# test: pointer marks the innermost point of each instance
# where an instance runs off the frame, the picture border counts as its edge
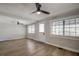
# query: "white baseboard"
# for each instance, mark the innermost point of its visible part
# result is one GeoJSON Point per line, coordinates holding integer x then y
{"type": "Point", "coordinates": [12, 38]}
{"type": "Point", "coordinates": [67, 48]}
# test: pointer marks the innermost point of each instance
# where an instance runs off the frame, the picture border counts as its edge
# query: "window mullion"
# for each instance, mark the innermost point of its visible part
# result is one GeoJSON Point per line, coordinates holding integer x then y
{"type": "Point", "coordinates": [63, 27]}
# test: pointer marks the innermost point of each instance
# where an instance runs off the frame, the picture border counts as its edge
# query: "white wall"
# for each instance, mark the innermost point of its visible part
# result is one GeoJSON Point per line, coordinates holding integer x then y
{"type": "Point", "coordinates": [59, 41]}
{"type": "Point", "coordinates": [9, 30]}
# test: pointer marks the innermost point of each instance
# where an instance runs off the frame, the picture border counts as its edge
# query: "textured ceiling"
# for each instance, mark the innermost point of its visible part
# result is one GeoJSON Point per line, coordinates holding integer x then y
{"type": "Point", "coordinates": [22, 11]}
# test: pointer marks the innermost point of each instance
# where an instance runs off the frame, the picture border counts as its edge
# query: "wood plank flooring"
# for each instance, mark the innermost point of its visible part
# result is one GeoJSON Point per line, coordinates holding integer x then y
{"type": "Point", "coordinates": [29, 47]}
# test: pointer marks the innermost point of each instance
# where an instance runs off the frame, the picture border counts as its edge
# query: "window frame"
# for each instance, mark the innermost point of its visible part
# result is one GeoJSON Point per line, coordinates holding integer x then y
{"type": "Point", "coordinates": [72, 24]}
{"type": "Point", "coordinates": [31, 28]}
{"type": "Point", "coordinates": [41, 27]}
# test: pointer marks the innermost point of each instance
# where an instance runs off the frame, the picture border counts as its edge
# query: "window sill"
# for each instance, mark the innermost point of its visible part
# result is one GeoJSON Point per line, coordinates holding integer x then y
{"type": "Point", "coordinates": [67, 37]}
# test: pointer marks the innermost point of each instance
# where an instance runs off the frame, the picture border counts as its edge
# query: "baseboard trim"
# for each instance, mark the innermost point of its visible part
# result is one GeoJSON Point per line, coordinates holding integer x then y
{"type": "Point", "coordinates": [66, 48]}
{"type": "Point", "coordinates": [13, 39]}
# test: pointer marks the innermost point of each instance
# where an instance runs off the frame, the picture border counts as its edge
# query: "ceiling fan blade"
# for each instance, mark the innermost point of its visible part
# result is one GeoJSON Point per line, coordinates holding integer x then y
{"type": "Point", "coordinates": [45, 12]}
{"type": "Point", "coordinates": [38, 6]}
{"type": "Point", "coordinates": [34, 11]}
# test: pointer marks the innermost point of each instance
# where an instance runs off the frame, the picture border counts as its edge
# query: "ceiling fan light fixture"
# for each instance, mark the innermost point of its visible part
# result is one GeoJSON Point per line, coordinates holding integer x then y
{"type": "Point", "coordinates": [38, 12]}
{"type": "Point", "coordinates": [38, 9]}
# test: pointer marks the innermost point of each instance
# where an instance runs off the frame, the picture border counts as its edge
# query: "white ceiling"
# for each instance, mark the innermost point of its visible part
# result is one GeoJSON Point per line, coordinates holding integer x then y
{"type": "Point", "coordinates": [22, 11]}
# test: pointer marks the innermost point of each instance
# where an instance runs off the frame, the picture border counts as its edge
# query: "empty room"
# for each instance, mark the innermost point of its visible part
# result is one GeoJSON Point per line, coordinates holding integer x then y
{"type": "Point", "coordinates": [39, 29]}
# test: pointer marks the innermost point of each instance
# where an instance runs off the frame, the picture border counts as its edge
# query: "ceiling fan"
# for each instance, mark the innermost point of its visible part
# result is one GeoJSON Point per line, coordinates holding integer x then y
{"type": "Point", "coordinates": [18, 23]}
{"type": "Point", "coordinates": [38, 10]}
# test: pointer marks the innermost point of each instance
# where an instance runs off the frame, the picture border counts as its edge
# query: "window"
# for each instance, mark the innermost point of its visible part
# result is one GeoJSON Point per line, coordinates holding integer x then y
{"type": "Point", "coordinates": [72, 27]}
{"type": "Point", "coordinates": [53, 27]}
{"type": "Point", "coordinates": [77, 26]}
{"type": "Point", "coordinates": [41, 27]}
{"type": "Point", "coordinates": [57, 28]}
{"type": "Point", "coordinates": [68, 27]}
{"type": "Point", "coordinates": [31, 29]}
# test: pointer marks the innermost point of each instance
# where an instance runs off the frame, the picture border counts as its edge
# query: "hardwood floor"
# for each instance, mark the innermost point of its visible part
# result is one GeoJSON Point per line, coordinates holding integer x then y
{"type": "Point", "coordinates": [29, 47]}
